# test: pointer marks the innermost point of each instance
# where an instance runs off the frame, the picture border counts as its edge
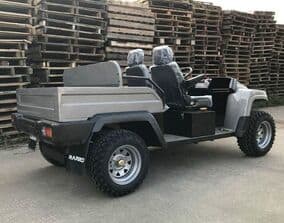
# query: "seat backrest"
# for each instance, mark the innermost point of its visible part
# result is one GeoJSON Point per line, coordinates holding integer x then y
{"type": "Point", "coordinates": [139, 71]}
{"type": "Point", "coordinates": [165, 77]}
{"type": "Point", "coordinates": [104, 74]}
{"type": "Point", "coordinates": [167, 74]}
{"type": "Point", "coordinates": [137, 68]}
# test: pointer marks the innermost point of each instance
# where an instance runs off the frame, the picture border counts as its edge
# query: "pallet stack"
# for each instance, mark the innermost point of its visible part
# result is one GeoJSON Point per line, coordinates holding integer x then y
{"type": "Point", "coordinates": [15, 35]}
{"type": "Point", "coordinates": [261, 52]}
{"type": "Point", "coordinates": [173, 27]}
{"type": "Point", "coordinates": [66, 34]}
{"type": "Point", "coordinates": [130, 26]}
{"type": "Point", "coordinates": [206, 56]}
{"type": "Point", "coordinates": [238, 29]}
{"type": "Point", "coordinates": [277, 64]}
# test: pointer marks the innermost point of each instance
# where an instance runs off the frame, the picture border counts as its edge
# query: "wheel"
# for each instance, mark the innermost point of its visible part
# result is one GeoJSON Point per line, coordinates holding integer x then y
{"type": "Point", "coordinates": [117, 161]}
{"type": "Point", "coordinates": [260, 135]}
{"type": "Point", "coordinates": [32, 144]}
{"type": "Point", "coordinates": [52, 154]}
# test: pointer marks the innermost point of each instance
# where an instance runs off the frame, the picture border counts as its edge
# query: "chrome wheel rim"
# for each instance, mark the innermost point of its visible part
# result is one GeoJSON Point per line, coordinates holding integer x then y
{"type": "Point", "coordinates": [263, 134]}
{"type": "Point", "coordinates": [124, 164]}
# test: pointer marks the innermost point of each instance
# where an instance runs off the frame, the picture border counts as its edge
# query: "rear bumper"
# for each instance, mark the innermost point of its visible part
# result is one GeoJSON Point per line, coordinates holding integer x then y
{"type": "Point", "coordinates": [64, 134]}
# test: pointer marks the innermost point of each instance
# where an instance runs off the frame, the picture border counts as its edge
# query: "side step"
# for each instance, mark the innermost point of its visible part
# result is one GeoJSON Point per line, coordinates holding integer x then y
{"type": "Point", "coordinates": [219, 134]}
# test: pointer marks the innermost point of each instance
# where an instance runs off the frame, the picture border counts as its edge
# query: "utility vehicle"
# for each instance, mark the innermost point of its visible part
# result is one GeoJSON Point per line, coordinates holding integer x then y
{"type": "Point", "coordinates": [103, 122]}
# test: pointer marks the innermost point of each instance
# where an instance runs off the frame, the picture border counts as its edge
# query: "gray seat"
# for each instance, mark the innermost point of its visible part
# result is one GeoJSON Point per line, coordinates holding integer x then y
{"type": "Point", "coordinates": [168, 75]}
{"type": "Point", "coordinates": [104, 74]}
{"type": "Point", "coordinates": [136, 67]}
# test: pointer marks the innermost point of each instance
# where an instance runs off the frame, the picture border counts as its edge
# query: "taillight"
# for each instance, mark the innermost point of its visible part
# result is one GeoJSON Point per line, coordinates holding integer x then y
{"type": "Point", "coordinates": [46, 132]}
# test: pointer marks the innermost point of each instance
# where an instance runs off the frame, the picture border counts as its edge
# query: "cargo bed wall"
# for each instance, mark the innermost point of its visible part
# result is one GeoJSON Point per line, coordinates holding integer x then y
{"type": "Point", "coordinates": [39, 102]}
{"type": "Point", "coordinates": [80, 103]}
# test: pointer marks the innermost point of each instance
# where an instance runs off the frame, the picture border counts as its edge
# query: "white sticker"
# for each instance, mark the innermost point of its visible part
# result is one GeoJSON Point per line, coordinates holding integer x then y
{"type": "Point", "coordinates": [76, 158]}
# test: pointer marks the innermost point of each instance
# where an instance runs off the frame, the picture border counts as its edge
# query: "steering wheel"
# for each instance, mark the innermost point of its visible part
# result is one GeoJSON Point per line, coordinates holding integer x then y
{"type": "Point", "coordinates": [193, 81]}
{"type": "Point", "coordinates": [188, 74]}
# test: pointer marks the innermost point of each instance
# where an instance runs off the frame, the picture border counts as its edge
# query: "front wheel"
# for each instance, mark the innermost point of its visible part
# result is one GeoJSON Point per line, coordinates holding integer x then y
{"type": "Point", "coordinates": [117, 161]}
{"type": "Point", "coordinates": [259, 137]}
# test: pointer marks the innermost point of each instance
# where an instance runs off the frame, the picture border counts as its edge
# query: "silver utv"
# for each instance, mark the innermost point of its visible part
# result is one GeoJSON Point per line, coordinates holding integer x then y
{"type": "Point", "coordinates": [103, 122]}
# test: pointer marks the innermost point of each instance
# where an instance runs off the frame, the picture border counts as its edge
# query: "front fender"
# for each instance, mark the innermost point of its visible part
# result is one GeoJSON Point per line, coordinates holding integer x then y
{"type": "Point", "coordinates": [258, 95]}
{"type": "Point", "coordinates": [240, 105]}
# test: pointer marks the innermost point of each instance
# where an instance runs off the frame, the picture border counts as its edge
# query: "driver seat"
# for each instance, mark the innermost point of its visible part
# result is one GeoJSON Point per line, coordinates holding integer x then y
{"type": "Point", "coordinates": [169, 77]}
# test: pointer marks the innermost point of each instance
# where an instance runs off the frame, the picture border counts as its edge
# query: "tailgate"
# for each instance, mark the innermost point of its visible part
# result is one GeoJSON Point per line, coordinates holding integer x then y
{"type": "Point", "coordinates": [38, 102]}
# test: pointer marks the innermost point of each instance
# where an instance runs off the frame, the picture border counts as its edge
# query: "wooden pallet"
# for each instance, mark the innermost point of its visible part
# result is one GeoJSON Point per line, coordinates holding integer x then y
{"type": "Point", "coordinates": [15, 36]}
{"type": "Point", "coordinates": [262, 51]}
{"type": "Point", "coordinates": [130, 26]}
{"type": "Point", "coordinates": [173, 27]}
{"type": "Point", "coordinates": [206, 56]}
{"type": "Point", "coordinates": [276, 87]}
{"type": "Point", "coordinates": [237, 31]}
{"type": "Point", "coordinates": [66, 34]}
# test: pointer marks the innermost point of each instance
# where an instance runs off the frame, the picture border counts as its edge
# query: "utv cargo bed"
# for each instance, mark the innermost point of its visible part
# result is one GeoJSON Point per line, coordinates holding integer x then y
{"type": "Point", "coordinates": [65, 104]}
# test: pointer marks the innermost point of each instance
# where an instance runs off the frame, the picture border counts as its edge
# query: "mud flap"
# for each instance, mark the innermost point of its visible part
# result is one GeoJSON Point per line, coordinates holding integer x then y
{"type": "Point", "coordinates": [75, 160]}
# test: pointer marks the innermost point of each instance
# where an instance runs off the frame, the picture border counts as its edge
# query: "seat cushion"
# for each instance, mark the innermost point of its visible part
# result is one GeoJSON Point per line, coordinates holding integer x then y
{"type": "Point", "coordinates": [202, 101]}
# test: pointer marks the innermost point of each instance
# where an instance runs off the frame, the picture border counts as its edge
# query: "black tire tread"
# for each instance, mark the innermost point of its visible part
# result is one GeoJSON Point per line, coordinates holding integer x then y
{"type": "Point", "coordinates": [95, 161]}
{"type": "Point", "coordinates": [247, 143]}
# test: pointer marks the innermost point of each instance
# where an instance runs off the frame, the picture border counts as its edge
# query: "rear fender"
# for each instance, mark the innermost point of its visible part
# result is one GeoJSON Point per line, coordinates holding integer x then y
{"type": "Point", "coordinates": [77, 155]}
{"type": "Point", "coordinates": [133, 121]}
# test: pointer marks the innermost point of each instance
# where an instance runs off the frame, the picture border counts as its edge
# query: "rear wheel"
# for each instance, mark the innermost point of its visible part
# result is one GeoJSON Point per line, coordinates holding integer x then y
{"type": "Point", "coordinates": [260, 135]}
{"type": "Point", "coordinates": [117, 161]}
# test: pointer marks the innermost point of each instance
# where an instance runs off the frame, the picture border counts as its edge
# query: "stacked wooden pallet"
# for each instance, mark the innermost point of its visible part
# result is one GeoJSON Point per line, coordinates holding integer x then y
{"type": "Point", "coordinates": [206, 56]}
{"type": "Point", "coordinates": [15, 35]}
{"type": "Point", "coordinates": [173, 26]}
{"type": "Point", "coordinates": [130, 26]}
{"type": "Point", "coordinates": [261, 52]}
{"type": "Point", "coordinates": [66, 34]}
{"type": "Point", "coordinates": [277, 64]}
{"type": "Point", "coordinates": [238, 29]}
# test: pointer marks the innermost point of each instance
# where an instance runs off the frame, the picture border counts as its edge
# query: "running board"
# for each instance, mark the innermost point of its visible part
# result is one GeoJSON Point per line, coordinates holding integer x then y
{"type": "Point", "coordinates": [219, 134]}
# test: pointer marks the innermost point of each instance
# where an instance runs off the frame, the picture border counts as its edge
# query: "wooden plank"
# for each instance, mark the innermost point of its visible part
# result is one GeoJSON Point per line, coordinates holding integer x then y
{"type": "Point", "coordinates": [131, 31]}
{"type": "Point", "coordinates": [127, 37]}
{"type": "Point", "coordinates": [134, 25]}
{"type": "Point", "coordinates": [131, 45]}
{"type": "Point", "coordinates": [131, 18]}
{"type": "Point", "coordinates": [123, 9]}
{"type": "Point", "coordinates": [5, 14]}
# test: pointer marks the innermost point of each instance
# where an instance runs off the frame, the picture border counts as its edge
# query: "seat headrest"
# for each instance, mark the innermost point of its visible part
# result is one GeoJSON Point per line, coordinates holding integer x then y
{"type": "Point", "coordinates": [162, 55]}
{"type": "Point", "coordinates": [135, 57]}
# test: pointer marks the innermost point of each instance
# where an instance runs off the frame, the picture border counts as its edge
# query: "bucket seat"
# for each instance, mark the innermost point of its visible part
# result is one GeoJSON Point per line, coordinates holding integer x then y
{"type": "Point", "coordinates": [136, 67]}
{"type": "Point", "coordinates": [169, 77]}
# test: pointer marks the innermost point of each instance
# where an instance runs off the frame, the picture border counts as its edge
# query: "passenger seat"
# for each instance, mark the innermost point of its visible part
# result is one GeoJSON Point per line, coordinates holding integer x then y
{"type": "Point", "coordinates": [136, 67]}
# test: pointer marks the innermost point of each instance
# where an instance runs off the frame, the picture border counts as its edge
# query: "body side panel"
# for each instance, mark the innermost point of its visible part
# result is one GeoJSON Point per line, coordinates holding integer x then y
{"type": "Point", "coordinates": [240, 105]}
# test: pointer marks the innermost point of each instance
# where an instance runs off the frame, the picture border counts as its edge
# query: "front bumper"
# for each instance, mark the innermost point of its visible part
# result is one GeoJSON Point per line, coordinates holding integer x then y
{"type": "Point", "coordinates": [64, 134]}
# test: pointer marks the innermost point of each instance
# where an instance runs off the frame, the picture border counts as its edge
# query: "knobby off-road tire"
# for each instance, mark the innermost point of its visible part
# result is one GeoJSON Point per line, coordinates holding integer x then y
{"type": "Point", "coordinates": [259, 137]}
{"type": "Point", "coordinates": [117, 161]}
{"type": "Point", "coordinates": [43, 149]}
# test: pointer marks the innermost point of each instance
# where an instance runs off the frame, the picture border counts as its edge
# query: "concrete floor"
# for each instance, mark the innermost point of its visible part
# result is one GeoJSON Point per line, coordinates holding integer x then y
{"type": "Point", "coordinates": [209, 182]}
